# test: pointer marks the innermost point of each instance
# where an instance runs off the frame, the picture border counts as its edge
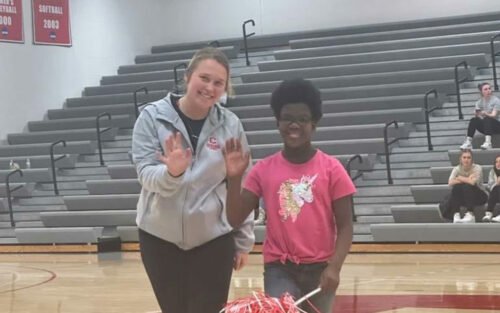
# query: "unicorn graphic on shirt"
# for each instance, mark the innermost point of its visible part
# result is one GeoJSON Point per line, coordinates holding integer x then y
{"type": "Point", "coordinates": [293, 194]}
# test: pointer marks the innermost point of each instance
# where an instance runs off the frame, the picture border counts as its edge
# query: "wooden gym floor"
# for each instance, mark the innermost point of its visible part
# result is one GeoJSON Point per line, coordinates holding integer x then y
{"type": "Point", "coordinates": [370, 282]}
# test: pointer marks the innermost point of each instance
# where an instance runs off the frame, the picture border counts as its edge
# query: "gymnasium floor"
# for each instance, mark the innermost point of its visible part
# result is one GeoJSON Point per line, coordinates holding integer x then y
{"type": "Point", "coordinates": [116, 282]}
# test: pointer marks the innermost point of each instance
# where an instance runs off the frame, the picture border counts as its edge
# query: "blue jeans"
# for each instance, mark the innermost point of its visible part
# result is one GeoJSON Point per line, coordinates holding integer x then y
{"type": "Point", "coordinates": [298, 280]}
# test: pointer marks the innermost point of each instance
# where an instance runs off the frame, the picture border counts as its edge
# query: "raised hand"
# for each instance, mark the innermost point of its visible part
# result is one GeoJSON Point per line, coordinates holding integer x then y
{"type": "Point", "coordinates": [176, 158]}
{"type": "Point", "coordinates": [236, 160]}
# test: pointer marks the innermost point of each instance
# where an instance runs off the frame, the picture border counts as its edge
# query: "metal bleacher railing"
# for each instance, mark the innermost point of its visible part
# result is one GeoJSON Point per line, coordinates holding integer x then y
{"type": "Point", "coordinates": [386, 147]}
{"type": "Point", "coordinates": [457, 87]}
{"type": "Point", "coordinates": [9, 191]}
{"type": "Point", "coordinates": [427, 112]}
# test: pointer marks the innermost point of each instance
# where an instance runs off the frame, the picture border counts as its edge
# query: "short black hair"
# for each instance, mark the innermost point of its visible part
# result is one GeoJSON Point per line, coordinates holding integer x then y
{"type": "Point", "coordinates": [297, 90]}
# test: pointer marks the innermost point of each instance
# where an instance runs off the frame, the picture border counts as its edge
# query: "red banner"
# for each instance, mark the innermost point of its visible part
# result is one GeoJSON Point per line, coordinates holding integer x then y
{"type": "Point", "coordinates": [11, 21]}
{"type": "Point", "coordinates": [51, 22]}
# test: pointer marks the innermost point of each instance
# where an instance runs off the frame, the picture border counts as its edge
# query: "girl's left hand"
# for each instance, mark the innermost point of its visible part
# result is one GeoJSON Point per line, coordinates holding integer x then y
{"type": "Point", "coordinates": [330, 278]}
{"type": "Point", "coordinates": [235, 159]}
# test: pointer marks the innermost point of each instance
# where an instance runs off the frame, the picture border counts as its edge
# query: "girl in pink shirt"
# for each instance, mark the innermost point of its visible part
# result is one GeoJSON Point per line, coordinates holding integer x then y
{"type": "Point", "coordinates": [307, 196]}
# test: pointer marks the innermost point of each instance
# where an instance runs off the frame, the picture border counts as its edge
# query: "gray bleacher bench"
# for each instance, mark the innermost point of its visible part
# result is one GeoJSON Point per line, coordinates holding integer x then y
{"type": "Point", "coordinates": [379, 56]}
{"type": "Point", "coordinates": [162, 84]}
{"type": "Point", "coordinates": [387, 45]}
{"type": "Point", "coordinates": [58, 235]}
{"type": "Point", "coordinates": [327, 133]}
{"type": "Point", "coordinates": [55, 135]}
{"type": "Point", "coordinates": [230, 51]}
{"type": "Point", "coordinates": [348, 105]}
{"type": "Point", "coordinates": [20, 189]}
{"type": "Point", "coordinates": [122, 171]}
{"type": "Point", "coordinates": [89, 218]}
{"type": "Point", "coordinates": [68, 124]}
{"type": "Point", "coordinates": [346, 118]}
{"type": "Point", "coordinates": [417, 214]}
{"type": "Point", "coordinates": [476, 60]}
{"type": "Point", "coordinates": [39, 161]}
{"type": "Point", "coordinates": [429, 193]}
{"type": "Point", "coordinates": [29, 175]}
{"type": "Point", "coordinates": [134, 70]}
{"type": "Point", "coordinates": [3, 205]}
{"type": "Point", "coordinates": [371, 91]}
{"type": "Point", "coordinates": [436, 232]}
{"type": "Point", "coordinates": [332, 147]}
{"type": "Point", "coordinates": [101, 202]}
{"type": "Point", "coordinates": [91, 111]}
{"type": "Point", "coordinates": [114, 99]}
{"type": "Point", "coordinates": [76, 147]}
{"type": "Point", "coordinates": [128, 233]}
{"type": "Point", "coordinates": [357, 80]}
{"type": "Point", "coordinates": [113, 186]}
{"type": "Point", "coordinates": [461, 28]}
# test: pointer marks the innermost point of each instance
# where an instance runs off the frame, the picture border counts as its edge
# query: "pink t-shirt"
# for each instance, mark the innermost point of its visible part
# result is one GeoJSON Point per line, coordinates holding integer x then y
{"type": "Point", "coordinates": [298, 201]}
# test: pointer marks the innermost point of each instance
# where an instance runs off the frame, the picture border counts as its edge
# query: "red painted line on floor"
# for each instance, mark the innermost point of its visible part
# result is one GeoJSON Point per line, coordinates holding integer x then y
{"type": "Point", "coordinates": [52, 276]}
{"type": "Point", "coordinates": [378, 303]}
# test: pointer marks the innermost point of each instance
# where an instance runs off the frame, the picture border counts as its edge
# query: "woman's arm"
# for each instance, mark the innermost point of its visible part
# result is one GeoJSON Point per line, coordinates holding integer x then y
{"type": "Point", "coordinates": [240, 203]}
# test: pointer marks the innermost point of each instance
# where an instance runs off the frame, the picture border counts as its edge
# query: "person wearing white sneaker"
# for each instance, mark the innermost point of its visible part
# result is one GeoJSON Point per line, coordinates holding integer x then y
{"type": "Point", "coordinates": [467, 190]}
{"type": "Point", "coordinates": [485, 118]}
{"type": "Point", "coordinates": [494, 187]}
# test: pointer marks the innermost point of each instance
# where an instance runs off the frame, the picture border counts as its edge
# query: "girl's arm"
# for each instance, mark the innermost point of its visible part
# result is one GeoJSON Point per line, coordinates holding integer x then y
{"type": "Point", "coordinates": [330, 277]}
{"type": "Point", "coordinates": [239, 203]}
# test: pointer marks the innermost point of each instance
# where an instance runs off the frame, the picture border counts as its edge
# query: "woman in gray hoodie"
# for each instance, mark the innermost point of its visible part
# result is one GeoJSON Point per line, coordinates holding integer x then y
{"type": "Point", "coordinates": [187, 246]}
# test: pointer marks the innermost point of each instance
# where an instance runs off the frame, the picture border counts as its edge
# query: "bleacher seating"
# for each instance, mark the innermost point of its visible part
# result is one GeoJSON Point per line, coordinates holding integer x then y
{"type": "Point", "coordinates": [368, 75]}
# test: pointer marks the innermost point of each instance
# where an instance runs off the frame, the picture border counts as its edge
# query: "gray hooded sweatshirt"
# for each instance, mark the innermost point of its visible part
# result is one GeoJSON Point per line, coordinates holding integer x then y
{"type": "Point", "coordinates": [188, 210]}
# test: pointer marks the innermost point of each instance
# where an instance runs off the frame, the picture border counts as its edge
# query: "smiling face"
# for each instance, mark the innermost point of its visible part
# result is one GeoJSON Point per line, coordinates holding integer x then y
{"type": "Point", "coordinates": [206, 84]}
{"type": "Point", "coordinates": [295, 125]}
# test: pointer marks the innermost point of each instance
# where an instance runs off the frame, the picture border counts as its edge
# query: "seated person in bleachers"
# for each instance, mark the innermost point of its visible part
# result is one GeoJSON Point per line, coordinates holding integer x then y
{"type": "Point", "coordinates": [466, 181]}
{"type": "Point", "coordinates": [485, 118]}
{"type": "Point", "coordinates": [494, 187]}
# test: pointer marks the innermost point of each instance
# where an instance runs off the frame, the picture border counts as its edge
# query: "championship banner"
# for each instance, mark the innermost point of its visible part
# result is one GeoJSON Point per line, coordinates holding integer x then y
{"type": "Point", "coordinates": [11, 21]}
{"type": "Point", "coordinates": [51, 22]}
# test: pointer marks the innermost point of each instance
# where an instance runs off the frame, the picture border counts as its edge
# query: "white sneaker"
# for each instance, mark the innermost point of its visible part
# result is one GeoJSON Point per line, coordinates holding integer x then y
{"type": "Point", "coordinates": [457, 218]}
{"type": "Point", "coordinates": [496, 219]}
{"type": "Point", "coordinates": [468, 218]}
{"type": "Point", "coordinates": [467, 145]}
{"type": "Point", "coordinates": [487, 216]}
{"type": "Point", "coordinates": [486, 145]}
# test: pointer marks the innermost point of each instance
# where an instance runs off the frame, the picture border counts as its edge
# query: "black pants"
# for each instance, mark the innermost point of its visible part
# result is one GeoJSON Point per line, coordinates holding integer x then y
{"type": "Point", "coordinates": [494, 198]}
{"type": "Point", "coordinates": [486, 125]}
{"type": "Point", "coordinates": [192, 281]}
{"type": "Point", "coordinates": [466, 195]}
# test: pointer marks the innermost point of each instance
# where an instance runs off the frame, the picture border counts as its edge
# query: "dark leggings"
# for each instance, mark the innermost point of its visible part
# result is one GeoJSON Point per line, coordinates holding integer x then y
{"type": "Point", "coordinates": [486, 125]}
{"type": "Point", "coordinates": [466, 195]}
{"type": "Point", "coordinates": [189, 281]}
{"type": "Point", "coordinates": [494, 198]}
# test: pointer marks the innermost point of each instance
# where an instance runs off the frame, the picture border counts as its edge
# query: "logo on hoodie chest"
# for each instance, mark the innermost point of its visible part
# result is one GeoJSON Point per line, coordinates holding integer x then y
{"type": "Point", "coordinates": [212, 143]}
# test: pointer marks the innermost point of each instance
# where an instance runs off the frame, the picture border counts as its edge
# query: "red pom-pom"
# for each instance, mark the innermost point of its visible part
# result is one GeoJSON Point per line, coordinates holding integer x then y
{"type": "Point", "coordinates": [261, 303]}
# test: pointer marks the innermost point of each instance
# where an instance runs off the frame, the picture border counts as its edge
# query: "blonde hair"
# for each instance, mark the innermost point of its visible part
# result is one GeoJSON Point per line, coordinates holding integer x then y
{"type": "Point", "coordinates": [210, 53]}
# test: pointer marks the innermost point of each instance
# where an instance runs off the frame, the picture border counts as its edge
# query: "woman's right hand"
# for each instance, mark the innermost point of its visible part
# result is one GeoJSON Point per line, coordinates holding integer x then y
{"type": "Point", "coordinates": [235, 159]}
{"type": "Point", "coordinates": [176, 158]}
